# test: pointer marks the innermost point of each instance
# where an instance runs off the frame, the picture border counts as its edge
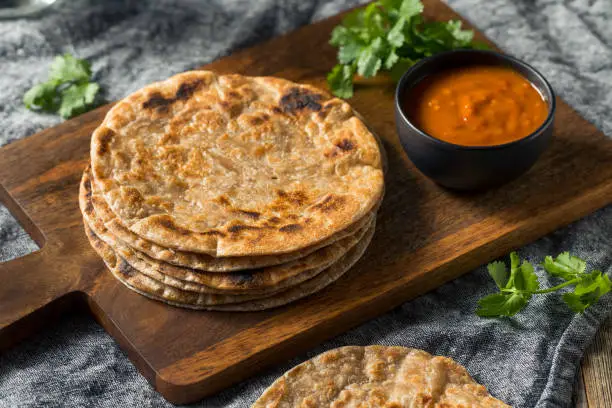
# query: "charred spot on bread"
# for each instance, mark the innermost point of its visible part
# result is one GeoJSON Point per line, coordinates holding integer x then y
{"type": "Point", "coordinates": [125, 268]}
{"type": "Point", "coordinates": [345, 145]}
{"type": "Point", "coordinates": [213, 232]}
{"type": "Point", "coordinates": [234, 229]}
{"type": "Point", "coordinates": [329, 204]}
{"type": "Point", "coordinates": [342, 146]}
{"type": "Point", "coordinates": [187, 89]}
{"type": "Point", "coordinates": [251, 214]}
{"type": "Point", "coordinates": [89, 207]}
{"type": "Point", "coordinates": [169, 224]}
{"type": "Point", "coordinates": [157, 101]}
{"type": "Point", "coordinates": [224, 200]}
{"type": "Point", "coordinates": [242, 278]}
{"type": "Point", "coordinates": [87, 187]}
{"type": "Point", "coordinates": [296, 197]}
{"type": "Point", "coordinates": [290, 228]}
{"type": "Point", "coordinates": [258, 120]}
{"type": "Point", "coordinates": [298, 99]}
{"type": "Point", "coordinates": [184, 92]}
{"type": "Point", "coordinates": [105, 139]}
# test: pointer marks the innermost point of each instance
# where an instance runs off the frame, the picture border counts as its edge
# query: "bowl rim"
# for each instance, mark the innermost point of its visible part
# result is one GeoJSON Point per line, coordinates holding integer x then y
{"type": "Point", "coordinates": [402, 84]}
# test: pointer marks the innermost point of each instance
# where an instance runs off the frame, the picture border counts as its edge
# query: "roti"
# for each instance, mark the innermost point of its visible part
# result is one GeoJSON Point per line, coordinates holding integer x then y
{"type": "Point", "coordinates": [377, 376]}
{"type": "Point", "coordinates": [144, 284]}
{"type": "Point", "coordinates": [195, 260]}
{"type": "Point", "coordinates": [235, 166]}
{"type": "Point", "coordinates": [263, 280]}
{"type": "Point", "coordinates": [156, 290]}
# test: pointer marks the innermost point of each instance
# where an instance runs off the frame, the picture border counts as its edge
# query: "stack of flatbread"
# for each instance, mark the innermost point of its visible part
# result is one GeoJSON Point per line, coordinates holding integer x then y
{"type": "Point", "coordinates": [230, 192]}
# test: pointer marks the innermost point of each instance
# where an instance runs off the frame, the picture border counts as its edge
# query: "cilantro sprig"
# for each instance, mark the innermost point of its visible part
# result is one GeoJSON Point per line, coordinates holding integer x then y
{"type": "Point", "coordinates": [519, 284]}
{"type": "Point", "coordinates": [68, 91]}
{"type": "Point", "coordinates": [389, 36]}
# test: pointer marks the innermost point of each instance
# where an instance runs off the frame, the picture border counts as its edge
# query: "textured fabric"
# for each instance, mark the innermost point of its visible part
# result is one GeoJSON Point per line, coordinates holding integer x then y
{"type": "Point", "coordinates": [527, 361]}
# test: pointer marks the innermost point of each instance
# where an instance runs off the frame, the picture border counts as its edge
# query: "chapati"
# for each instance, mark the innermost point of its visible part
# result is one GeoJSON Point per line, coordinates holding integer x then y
{"type": "Point", "coordinates": [156, 290]}
{"type": "Point", "coordinates": [377, 376]}
{"type": "Point", "coordinates": [235, 166]}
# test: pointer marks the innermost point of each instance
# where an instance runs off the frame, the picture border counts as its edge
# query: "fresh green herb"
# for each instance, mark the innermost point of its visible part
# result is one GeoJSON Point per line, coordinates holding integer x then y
{"type": "Point", "coordinates": [520, 283]}
{"type": "Point", "coordinates": [390, 36]}
{"type": "Point", "coordinates": [68, 91]}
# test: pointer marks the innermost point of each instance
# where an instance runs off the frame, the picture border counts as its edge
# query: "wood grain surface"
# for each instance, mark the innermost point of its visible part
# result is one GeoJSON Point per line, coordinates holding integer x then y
{"type": "Point", "coordinates": [579, 399]}
{"type": "Point", "coordinates": [425, 236]}
{"type": "Point", "coordinates": [596, 373]}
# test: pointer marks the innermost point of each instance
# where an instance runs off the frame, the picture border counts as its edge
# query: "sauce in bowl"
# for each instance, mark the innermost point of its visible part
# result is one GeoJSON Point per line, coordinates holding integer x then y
{"type": "Point", "coordinates": [476, 106]}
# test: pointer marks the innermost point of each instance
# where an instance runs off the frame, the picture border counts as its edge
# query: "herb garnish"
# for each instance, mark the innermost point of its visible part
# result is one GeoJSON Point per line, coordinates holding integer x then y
{"type": "Point", "coordinates": [390, 36]}
{"type": "Point", "coordinates": [68, 91]}
{"type": "Point", "coordinates": [517, 286]}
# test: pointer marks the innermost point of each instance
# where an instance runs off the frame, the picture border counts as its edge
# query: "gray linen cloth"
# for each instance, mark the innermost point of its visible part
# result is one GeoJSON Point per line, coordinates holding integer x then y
{"type": "Point", "coordinates": [528, 361]}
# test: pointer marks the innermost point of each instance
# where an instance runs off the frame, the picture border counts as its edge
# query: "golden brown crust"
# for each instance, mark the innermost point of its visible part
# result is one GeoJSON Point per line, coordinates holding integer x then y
{"type": "Point", "coordinates": [194, 260]}
{"type": "Point", "coordinates": [153, 289]}
{"type": "Point", "coordinates": [235, 166]}
{"type": "Point", "coordinates": [377, 376]}
{"type": "Point", "coordinates": [265, 280]}
{"type": "Point", "coordinates": [145, 285]}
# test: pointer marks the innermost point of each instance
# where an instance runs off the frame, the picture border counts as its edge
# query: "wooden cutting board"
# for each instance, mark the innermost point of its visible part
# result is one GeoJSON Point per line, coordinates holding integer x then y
{"type": "Point", "coordinates": [425, 236]}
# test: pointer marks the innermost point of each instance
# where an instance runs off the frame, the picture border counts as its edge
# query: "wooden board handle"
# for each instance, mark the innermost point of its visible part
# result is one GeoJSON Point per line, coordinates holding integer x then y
{"type": "Point", "coordinates": [31, 287]}
{"type": "Point", "coordinates": [30, 294]}
{"type": "Point", "coordinates": [22, 217]}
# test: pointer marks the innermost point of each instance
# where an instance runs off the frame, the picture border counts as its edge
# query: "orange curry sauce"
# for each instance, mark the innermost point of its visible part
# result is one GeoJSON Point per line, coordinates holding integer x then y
{"type": "Point", "coordinates": [476, 106]}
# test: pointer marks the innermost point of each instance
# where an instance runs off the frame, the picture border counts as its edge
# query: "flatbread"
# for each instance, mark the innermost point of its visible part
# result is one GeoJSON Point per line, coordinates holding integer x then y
{"type": "Point", "coordinates": [377, 376]}
{"type": "Point", "coordinates": [138, 281]}
{"type": "Point", "coordinates": [259, 281]}
{"type": "Point", "coordinates": [235, 166]}
{"type": "Point", "coordinates": [155, 290]}
{"type": "Point", "coordinates": [200, 261]}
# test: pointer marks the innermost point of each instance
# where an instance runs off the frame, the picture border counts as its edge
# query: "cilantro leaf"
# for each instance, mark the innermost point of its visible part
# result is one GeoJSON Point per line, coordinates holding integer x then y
{"type": "Point", "coordinates": [68, 91]}
{"type": "Point", "coordinates": [564, 266]}
{"type": "Point", "coordinates": [368, 64]}
{"type": "Point", "coordinates": [575, 302]}
{"type": "Point", "coordinates": [588, 291]}
{"type": "Point", "coordinates": [499, 273]}
{"type": "Point", "coordinates": [591, 281]}
{"type": "Point", "coordinates": [374, 21]}
{"type": "Point", "coordinates": [391, 60]}
{"type": "Point", "coordinates": [526, 279]}
{"type": "Point", "coordinates": [341, 36]}
{"type": "Point", "coordinates": [396, 35]}
{"type": "Point", "coordinates": [43, 97]}
{"type": "Point", "coordinates": [340, 80]}
{"type": "Point", "coordinates": [348, 52]}
{"type": "Point", "coordinates": [76, 98]}
{"type": "Point", "coordinates": [354, 19]}
{"type": "Point", "coordinates": [66, 68]}
{"type": "Point", "coordinates": [463, 37]}
{"type": "Point", "coordinates": [518, 286]}
{"type": "Point", "coordinates": [410, 8]}
{"type": "Point", "coordinates": [391, 6]}
{"type": "Point", "coordinates": [516, 277]}
{"type": "Point", "coordinates": [389, 35]}
{"type": "Point", "coordinates": [502, 304]}
{"type": "Point", "coordinates": [369, 61]}
{"type": "Point", "coordinates": [514, 261]}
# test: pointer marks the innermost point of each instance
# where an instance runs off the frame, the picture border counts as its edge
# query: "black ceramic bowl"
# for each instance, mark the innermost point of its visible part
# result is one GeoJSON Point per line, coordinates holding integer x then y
{"type": "Point", "coordinates": [471, 167]}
